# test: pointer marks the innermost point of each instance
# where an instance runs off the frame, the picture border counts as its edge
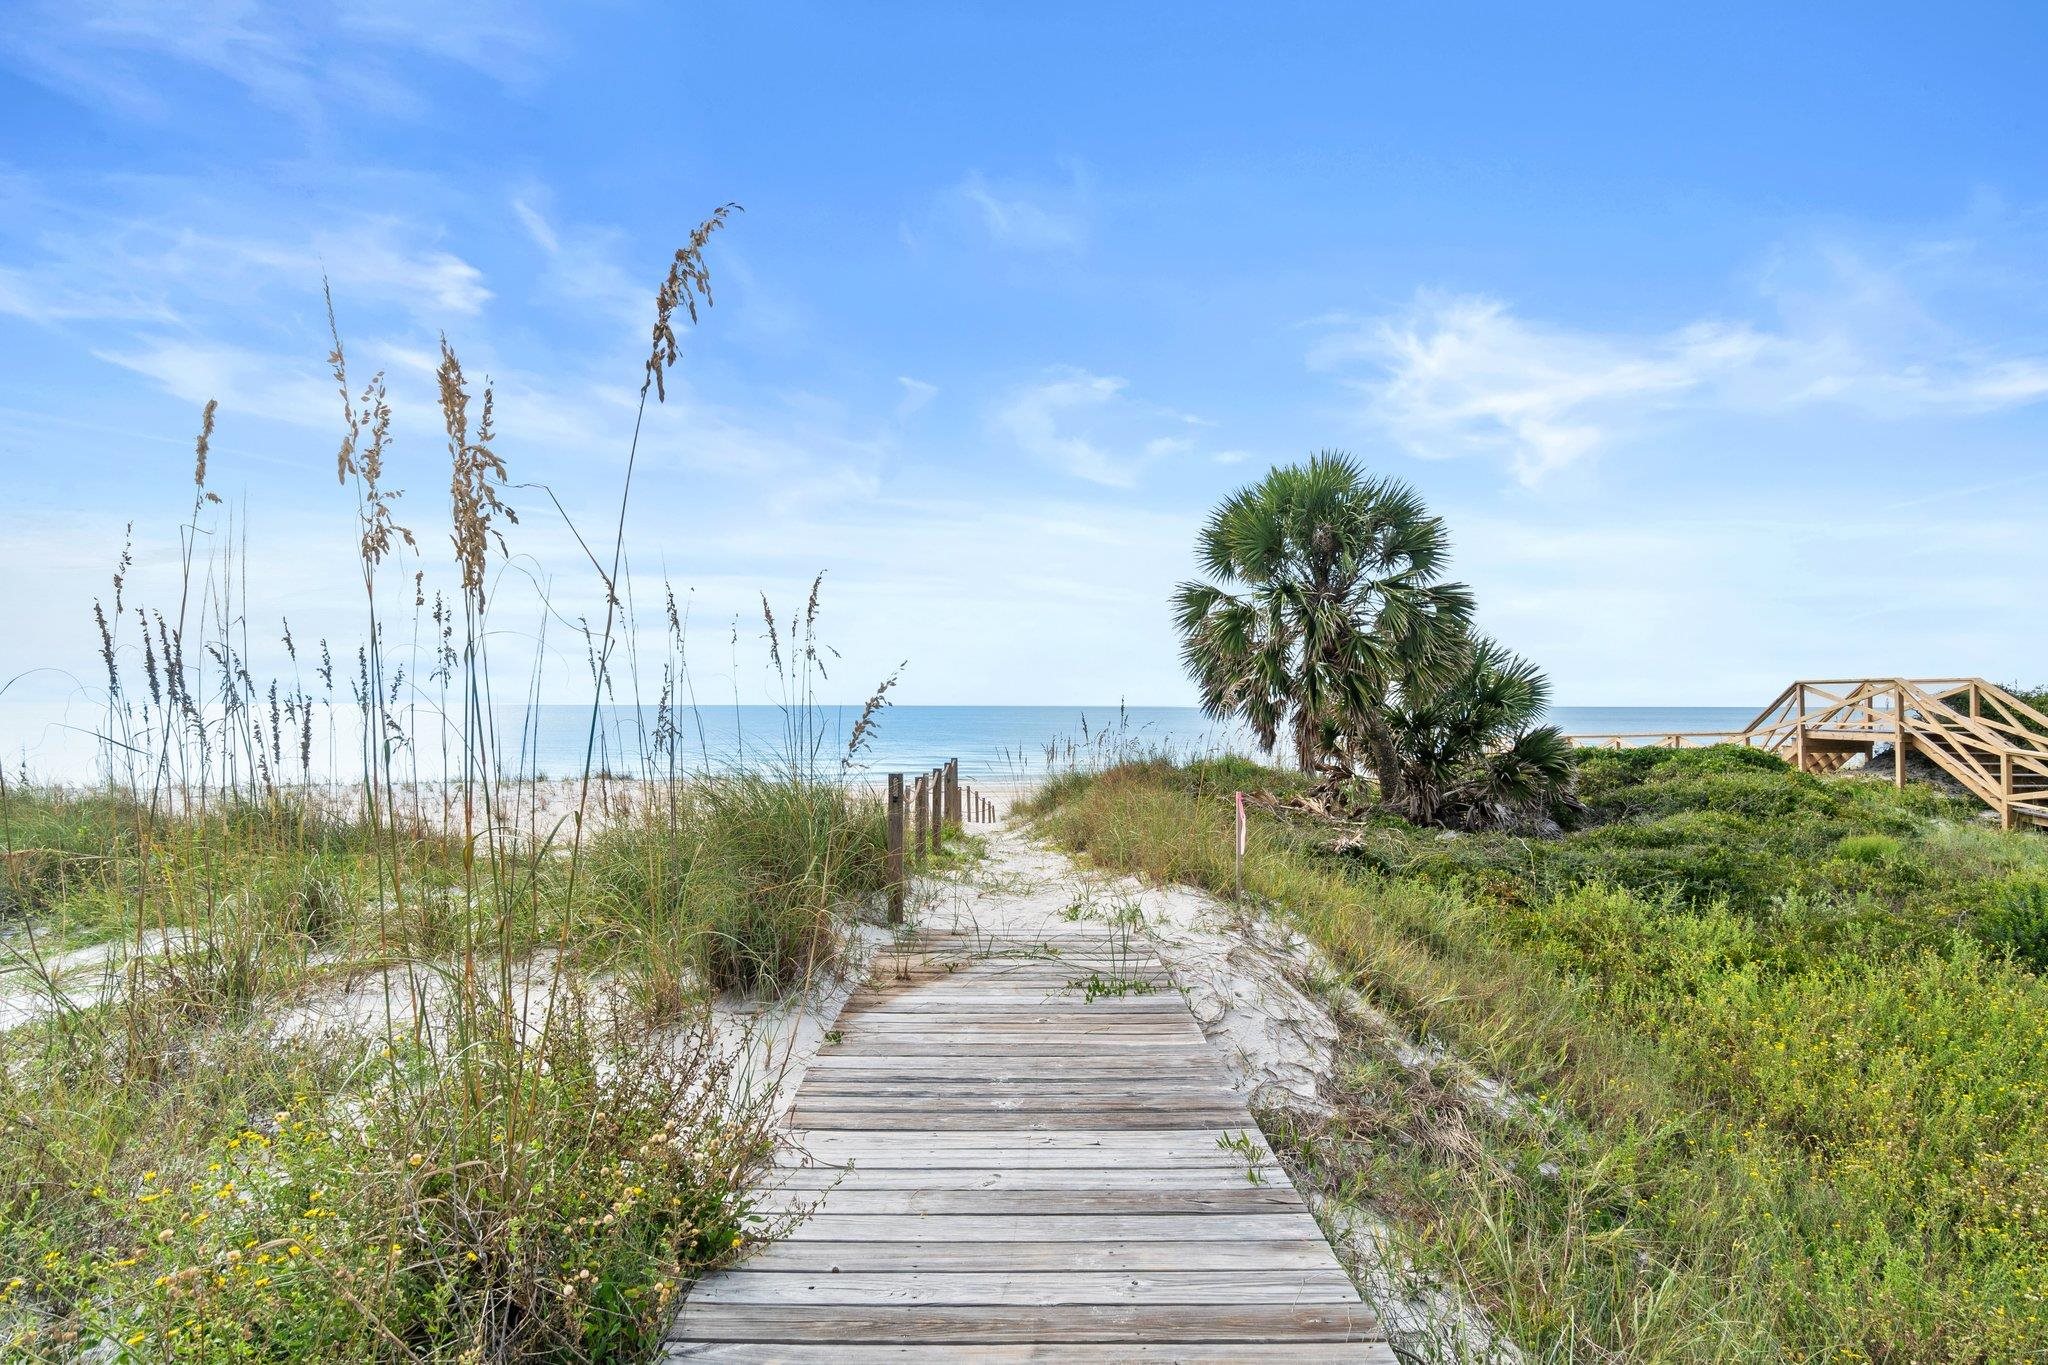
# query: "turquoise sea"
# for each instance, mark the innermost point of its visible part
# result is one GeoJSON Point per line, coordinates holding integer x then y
{"type": "Point", "coordinates": [55, 742]}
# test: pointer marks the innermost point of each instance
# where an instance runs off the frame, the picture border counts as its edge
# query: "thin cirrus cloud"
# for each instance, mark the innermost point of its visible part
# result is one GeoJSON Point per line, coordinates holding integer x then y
{"type": "Point", "coordinates": [122, 266]}
{"type": "Point", "coordinates": [1086, 425]}
{"type": "Point", "coordinates": [1465, 375]}
{"type": "Point", "coordinates": [296, 59]}
{"type": "Point", "coordinates": [1028, 217]}
{"type": "Point", "coordinates": [917, 394]}
{"type": "Point", "coordinates": [1462, 375]}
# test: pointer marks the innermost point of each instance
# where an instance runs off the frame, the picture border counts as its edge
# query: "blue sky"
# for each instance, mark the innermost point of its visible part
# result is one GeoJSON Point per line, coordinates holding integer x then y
{"type": "Point", "coordinates": [1719, 333]}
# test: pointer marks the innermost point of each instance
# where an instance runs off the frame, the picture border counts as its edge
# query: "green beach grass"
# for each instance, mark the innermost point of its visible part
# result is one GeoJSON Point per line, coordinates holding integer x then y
{"type": "Point", "coordinates": [1777, 1045]}
{"type": "Point", "coordinates": [391, 1070]}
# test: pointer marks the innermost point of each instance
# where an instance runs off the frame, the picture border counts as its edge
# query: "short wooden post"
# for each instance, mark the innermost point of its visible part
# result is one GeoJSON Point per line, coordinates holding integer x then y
{"type": "Point", "coordinates": [2005, 790]}
{"type": "Point", "coordinates": [1799, 735]}
{"type": "Point", "coordinates": [938, 825]}
{"type": "Point", "coordinates": [895, 859]}
{"type": "Point", "coordinates": [953, 793]}
{"type": "Point", "coordinates": [1899, 738]}
{"type": "Point", "coordinates": [922, 801]}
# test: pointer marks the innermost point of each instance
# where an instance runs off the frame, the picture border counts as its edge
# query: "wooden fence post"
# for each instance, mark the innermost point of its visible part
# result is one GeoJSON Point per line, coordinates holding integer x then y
{"type": "Point", "coordinates": [923, 803]}
{"type": "Point", "coordinates": [1899, 738]}
{"type": "Point", "coordinates": [2005, 820]}
{"type": "Point", "coordinates": [953, 793]}
{"type": "Point", "coordinates": [938, 825]}
{"type": "Point", "coordinates": [1799, 735]}
{"type": "Point", "coordinates": [895, 861]}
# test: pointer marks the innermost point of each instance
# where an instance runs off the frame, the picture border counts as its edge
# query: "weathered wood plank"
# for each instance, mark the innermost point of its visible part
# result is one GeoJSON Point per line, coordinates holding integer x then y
{"type": "Point", "coordinates": [847, 1070]}
{"type": "Point", "coordinates": [992, 1118]}
{"type": "Point", "coordinates": [1190, 1139]}
{"type": "Point", "coordinates": [937, 1161]}
{"type": "Point", "coordinates": [1299, 1253]}
{"type": "Point", "coordinates": [1297, 1353]}
{"type": "Point", "coordinates": [1026, 1289]}
{"type": "Point", "coordinates": [1242, 1197]}
{"type": "Point", "coordinates": [1044, 1091]}
{"type": "Point", "coordinates": [984, 1324]}
{"type": "Point", "coordinates": [1018, 998]}
{"type": "Point", "coordinates": [860, 1178]}
{"type": "Point", "coordinates": [832, 1225]}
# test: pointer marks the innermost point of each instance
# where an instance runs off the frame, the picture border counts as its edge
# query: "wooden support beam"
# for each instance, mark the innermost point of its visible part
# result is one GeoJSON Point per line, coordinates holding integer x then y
{"type": "Point", "coordinates": [1799, 734]}
{"type": "Point", "coordinates": [2005, 790]}
{"type": "Point", "coordinates": [1899, 737]}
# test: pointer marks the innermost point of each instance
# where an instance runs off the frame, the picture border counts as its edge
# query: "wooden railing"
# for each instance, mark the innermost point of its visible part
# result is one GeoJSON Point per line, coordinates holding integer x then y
{"type": "Point", "coordinates": [938, 805]}
{"type": "Point", "coordinates": [1993, 744]}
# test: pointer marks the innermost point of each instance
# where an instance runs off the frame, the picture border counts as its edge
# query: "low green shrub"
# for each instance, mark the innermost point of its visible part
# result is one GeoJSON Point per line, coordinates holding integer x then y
{"type": "Point", "coordinates": [1869, 848]}
{"type": "Point", "coordinates": [255, 1200]}
{"type": "Point", "coordinates": [1780, 1101]}
{"type": "Point", "coordinates": [2016, 920]}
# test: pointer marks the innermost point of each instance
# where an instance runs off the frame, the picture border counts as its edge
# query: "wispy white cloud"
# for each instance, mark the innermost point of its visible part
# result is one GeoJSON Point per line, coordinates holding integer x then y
{"type": "Point", "coordinates": [585, 264]}
{"type": "Point", "coordinates": [1088, 426]}
{"type": "Point", "coordinates": [295, 59]}
{"type": "Point", "coordinates": [47, 300]}
{"type": "Point", "coordinates": [1459, 375]}
{"type": "Point", "coordinates": [105, 265]}
{"type": "Point", "coordinates": [916, 395]}
{"type": "Point", "coordinates": [537, 227]}
{"type": "Point", "coordinates": [245, 381]}
{"type": "Point", "coordinates": [1028, 217]}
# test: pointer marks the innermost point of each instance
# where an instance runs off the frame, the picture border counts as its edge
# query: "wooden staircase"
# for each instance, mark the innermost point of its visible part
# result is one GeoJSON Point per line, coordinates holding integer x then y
{"type": "Point", "coordinates": [1993, 744]}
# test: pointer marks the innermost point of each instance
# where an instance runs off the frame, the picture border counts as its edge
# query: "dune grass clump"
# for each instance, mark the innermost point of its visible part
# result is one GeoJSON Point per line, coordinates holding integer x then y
{"type": "Point", "coordinates": [1780, 1096]}
{"type": "Point", "coordinates": [393, 1067]}
{"type": "Point", "coordinates": [742, 881]}
{"type": "Point", "coordinates": [232, 1196]}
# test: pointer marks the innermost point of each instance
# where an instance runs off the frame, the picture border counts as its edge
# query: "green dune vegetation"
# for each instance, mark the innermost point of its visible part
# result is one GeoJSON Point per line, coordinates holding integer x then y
{"type": "Point", "coordinates": [1656, 1054]}
{"type": "Point", "coordinates": [394, 1070]}
{"type": "Point", "coordinates": [1653, 1054]}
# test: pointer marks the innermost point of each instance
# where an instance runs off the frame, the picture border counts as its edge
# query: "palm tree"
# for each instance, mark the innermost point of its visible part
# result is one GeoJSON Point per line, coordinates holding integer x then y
{"type": "Point", "coordinates": [1327, 602]}
{"type": "Point", "coordinates": [1470, 752]}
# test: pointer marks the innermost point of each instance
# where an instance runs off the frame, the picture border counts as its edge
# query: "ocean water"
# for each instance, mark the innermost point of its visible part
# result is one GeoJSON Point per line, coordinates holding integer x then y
{"type": "Point", "coordinates": [64, 743]}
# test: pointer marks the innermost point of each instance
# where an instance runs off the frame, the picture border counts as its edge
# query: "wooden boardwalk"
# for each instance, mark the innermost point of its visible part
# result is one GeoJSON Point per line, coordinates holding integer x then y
{"type": "Point", "coordinates": [1011, 1170]}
